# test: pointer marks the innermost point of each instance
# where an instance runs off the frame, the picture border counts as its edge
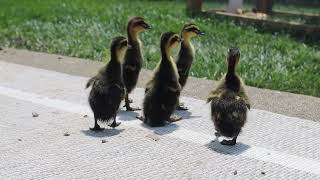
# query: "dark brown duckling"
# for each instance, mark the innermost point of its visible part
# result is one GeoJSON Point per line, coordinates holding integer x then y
{"type": "Point", "coordinates": [229, 102]}
{"type": "Point", "coordinates": [108, 89]}
{"type": "Point", "coordinates": [163, 92]}
{"type": "Point", "coordinates": [133, 58]}
{"type": "Point", "coordinates": [186, 55]}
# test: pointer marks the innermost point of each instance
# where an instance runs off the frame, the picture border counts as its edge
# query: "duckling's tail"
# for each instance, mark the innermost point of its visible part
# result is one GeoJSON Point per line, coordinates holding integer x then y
{"type": "Point", "coordinates": [210, 98]}
{"type": "Point", "coordinates": [90, 82]}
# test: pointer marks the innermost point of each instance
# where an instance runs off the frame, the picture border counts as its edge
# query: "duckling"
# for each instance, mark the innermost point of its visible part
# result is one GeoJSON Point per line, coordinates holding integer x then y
{"type": "Point", "coordinates": [229, 102]}
{"type": "Point", "coordinates": [163, 90]}
{"type": "Point", "coordinates": [133, 58]}
{"type": "Point", "coordinates": [186, 55]}
{"type": "Point", "coordinates": [108, 89]}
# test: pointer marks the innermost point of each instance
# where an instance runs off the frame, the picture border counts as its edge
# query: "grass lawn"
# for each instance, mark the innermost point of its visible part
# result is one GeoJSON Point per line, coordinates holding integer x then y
{"type": "Point", "coordinates": [83, 28]}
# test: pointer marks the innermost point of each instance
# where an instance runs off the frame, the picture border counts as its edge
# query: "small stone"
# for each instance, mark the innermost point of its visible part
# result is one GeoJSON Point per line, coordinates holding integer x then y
{"type": "Point", "coordinates": [59, 57]}
{"type": "Point", "coordinates": [66, 134]}
{"type": "Point", "coordinates": [235, 172]}
{"type": "Point", "coordinates": [263, 173]}
{"type": "Point", "coordinates": [19, 139]}
{"type": "Point", "coordinates": [85, 116]}
{"type": "Point", "coordinates": [153, 137]}
{"type": "Point", "coordinates": [34, 114]}
{"type": "Point", "coordinates": [103, 141]}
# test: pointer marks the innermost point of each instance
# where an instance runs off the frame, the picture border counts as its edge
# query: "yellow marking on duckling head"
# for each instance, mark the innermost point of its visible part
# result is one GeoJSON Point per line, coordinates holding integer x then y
{"type": "Point", "coordinates": [190, 30]}
{"type": "Point", "coordinates": [137, 25]}
{"type": "Point", "coordinates": [173, 42]}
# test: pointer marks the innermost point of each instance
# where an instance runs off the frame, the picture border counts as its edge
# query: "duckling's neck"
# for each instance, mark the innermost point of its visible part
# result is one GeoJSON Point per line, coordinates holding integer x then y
{"type": "Point", "coordinates": [186, 44]}
{"type": "Point", "coordinates": [165, 53]}
{"type": "Point", "coordinates": [133, 37]}
{"type": "Point", "coordinates": [231, 68]}
{"type": "Point", "coordinates": [232, 79]}
{"type": "Point", "coordinates": [115, 57]}
{"type": "Point", "coordinates": [186, 40]}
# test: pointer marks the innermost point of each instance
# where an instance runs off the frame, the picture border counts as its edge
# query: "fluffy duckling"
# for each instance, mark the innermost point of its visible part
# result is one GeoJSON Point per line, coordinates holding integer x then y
{"type": "Point", "coordinates": [133, 58]}
{"type": "Point", "coordinates": [163, 90]}
{"type": "Point", "coordinates": [107, 86]}
{"type": "Point", "coordinates": [229, 102]}
{"type": "Point", "coordinates": [186, 55]}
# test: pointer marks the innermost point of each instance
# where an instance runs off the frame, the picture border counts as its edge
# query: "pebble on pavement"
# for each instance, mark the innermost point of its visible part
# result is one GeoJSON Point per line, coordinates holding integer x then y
{"type": "Point", "coordinates": [34, 114]}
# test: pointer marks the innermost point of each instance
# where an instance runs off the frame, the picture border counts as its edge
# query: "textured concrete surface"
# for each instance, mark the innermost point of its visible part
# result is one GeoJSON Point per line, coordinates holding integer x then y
{"type": "Point", "coordinates": [58, 145]}
{"type": "Point", "coordinates": [301, 106]}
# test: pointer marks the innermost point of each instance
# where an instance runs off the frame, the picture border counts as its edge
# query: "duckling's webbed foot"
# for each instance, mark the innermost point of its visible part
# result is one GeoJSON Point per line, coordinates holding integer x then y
{"type": "Point", "coordinates": [114, 123]}
{"type": "Point", "coordinates": [127, 105]}
{"type": "Point", "coordinates": [182, 108]}
{"type": "Point", "coordinates": [130, 101]}
{"type": "Point", "coordinates": [229, 142]}
{"type": "Point", "coordinates": [132, 108]}
{"type": "Point", "coordinates": [174, 118]}
{"type": "Point", "coordinates": [141, 118]}
{"type": "Point", "coordinates": [96, 127]}
{"type": "Point", "coordinates": [217, 134]}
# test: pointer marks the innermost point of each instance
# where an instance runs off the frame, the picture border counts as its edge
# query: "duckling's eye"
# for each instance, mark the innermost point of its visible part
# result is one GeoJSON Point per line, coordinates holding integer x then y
{"type": "Point", "coordinates": [194, 30]}
{"type": "Point", "coordinates": [140, 23]}
{"type": "Point", "coordinates": [190, 29]}
{"type": "Point", "coordinates": [174, 39]}
{"type": "Point", "coordinates": [123, 43]}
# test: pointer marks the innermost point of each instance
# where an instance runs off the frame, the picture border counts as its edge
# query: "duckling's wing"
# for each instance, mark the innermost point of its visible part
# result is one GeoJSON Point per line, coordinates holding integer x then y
{"type": "Point", "coordinates": [91, 81]}
{"type": "Point", "coordinates": [243, 95]}
{"type": "Point", "coordinates": [114, 94]}
{"type": "Point", "coordinates": [216, 92]}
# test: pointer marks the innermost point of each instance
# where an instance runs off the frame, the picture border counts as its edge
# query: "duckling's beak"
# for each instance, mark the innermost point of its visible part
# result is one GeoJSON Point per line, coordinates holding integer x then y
{"type": "Point", "coordinates": [201, 33]}
{"type": "Point", "coordinates": [147, 26]}
{"type": "Point", "coordinates": [234, 52]}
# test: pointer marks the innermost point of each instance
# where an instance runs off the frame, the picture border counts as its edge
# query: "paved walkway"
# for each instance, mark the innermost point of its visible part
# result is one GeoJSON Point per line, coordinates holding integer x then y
{"type": "Point", "coordinates": [58, 145]}
{"type": "Point", "coordinates": [301, 106]}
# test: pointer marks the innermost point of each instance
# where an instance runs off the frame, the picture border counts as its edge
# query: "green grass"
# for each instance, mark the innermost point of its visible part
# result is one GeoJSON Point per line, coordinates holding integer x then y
{"type": "Point", "coordinates": [83, 28]}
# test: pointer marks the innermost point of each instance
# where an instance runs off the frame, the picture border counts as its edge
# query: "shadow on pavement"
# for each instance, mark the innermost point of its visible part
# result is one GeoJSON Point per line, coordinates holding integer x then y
{"type": "Point", "coordinates": [105, 133]}
{"type": "Point", "coordinates": [127, 115]}
{"type": "Point", "coordinates": [167, 129]}
{"type": "Point", "coordinates": [228, 150]}
{"type": "Point", "coordinates": [186, 114]}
